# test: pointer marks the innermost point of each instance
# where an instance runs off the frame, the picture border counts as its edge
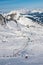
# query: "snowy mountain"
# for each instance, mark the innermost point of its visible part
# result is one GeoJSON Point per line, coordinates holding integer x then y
{"type": "Point", "coordinates": [21, 37]}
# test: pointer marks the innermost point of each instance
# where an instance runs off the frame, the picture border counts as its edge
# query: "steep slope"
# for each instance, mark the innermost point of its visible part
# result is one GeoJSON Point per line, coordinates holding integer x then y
{"type": "Point", "coordinates": [21, 40]}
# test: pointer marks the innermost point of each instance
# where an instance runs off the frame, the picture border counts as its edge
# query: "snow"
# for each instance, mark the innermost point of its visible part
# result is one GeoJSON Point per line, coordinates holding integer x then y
{"type": "Point", "coordinates": [19, 41]}
{"type": "Point", "coordinates": [37, 10]}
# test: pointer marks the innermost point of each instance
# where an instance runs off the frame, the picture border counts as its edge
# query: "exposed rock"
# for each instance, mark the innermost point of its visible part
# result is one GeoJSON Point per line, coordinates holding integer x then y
{"type": "Point", "coordinates": [2, 19]}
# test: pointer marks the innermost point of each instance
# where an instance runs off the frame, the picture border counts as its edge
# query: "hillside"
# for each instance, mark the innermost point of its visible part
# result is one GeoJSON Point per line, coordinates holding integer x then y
{"type": "Point", "coordinates": [20, 37]}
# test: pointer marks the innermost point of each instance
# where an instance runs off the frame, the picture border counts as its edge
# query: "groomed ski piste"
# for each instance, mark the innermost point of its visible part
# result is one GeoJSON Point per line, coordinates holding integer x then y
{"type": "Point", "coordinates": [21, 38]}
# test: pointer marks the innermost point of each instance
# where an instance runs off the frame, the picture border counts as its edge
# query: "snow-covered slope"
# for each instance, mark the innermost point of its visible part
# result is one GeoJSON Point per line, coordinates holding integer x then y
{"type": "Point", "coordinates": [22, 40]}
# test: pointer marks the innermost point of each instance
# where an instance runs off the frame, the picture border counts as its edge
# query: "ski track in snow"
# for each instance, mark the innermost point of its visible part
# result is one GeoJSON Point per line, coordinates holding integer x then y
{"type": "Point", "coordinates": [19, 41]}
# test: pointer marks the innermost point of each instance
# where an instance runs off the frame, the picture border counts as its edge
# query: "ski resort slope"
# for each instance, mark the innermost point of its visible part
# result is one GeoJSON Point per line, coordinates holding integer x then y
{"type": "Point", "coordinates": [21, 43]}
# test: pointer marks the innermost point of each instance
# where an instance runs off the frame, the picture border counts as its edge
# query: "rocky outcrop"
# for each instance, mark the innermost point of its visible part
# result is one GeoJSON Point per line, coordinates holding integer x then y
{"type": "Point", "coordinates": [2, 19]}
{"type": "Point", "coordinates": [11, 18]}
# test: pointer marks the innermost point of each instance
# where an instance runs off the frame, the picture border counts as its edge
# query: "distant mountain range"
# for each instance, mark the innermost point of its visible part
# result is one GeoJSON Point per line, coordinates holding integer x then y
{"type": "Point", "coordinates": [34, 15]}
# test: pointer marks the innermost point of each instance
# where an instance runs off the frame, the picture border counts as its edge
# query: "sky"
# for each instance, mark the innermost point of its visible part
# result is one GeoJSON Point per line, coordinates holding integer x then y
{"type": "Point", "coordinates": [19, 4]}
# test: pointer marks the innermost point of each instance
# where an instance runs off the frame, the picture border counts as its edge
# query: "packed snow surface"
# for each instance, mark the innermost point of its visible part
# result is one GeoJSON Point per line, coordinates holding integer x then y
{"type": "Point", "coordinates": [21, 43]}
